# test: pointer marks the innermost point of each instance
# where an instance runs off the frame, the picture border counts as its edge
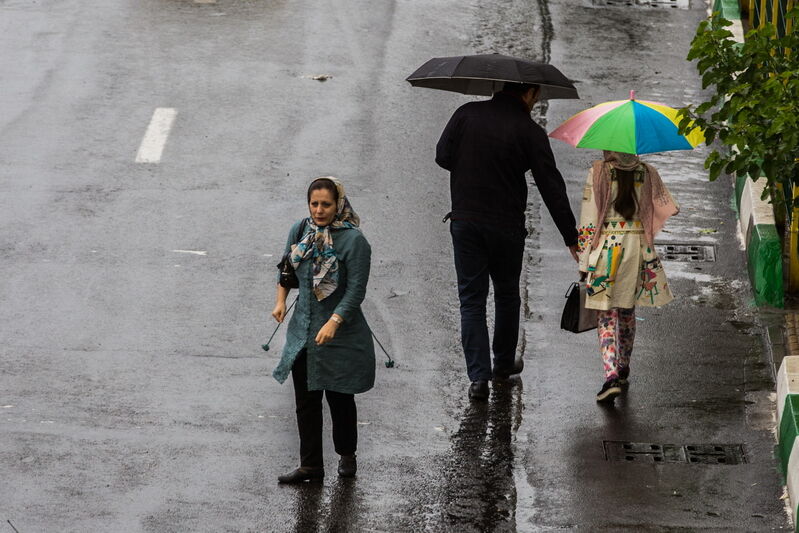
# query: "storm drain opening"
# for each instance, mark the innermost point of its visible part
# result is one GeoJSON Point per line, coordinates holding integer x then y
{"type": "Point", "coordinates": [650, 452]}
{"type": "Point", "coordinates": [667, 4]}
{"type": "Point", "coordinates": [724, 454]}
{"type": "Point", "coordinates": [694, 253]}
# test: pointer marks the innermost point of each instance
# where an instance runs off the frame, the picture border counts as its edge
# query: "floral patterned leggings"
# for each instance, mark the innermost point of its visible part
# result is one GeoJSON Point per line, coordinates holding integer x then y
{"type": "Point", "coordinates": [616, 328]}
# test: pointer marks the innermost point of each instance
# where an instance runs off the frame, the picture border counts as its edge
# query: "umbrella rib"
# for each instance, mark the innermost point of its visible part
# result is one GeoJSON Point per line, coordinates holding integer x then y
{"type": "Point", "coordinates": [518, 73]}
{"type": "Point", "coordinates": [458, 64]}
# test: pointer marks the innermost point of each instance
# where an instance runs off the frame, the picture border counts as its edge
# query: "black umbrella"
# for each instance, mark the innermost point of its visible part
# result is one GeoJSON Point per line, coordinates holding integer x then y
{"type": "Point", "coordinates": [486, 74]}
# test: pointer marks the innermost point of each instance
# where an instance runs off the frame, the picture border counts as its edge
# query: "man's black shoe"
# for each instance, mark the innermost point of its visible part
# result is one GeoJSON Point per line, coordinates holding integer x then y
{"type": "Point", "coordinates": [478, 390]}
{"type": "Point", "coordinates": [505, 373]}
{"type": "Point", "coordinates": [301, 474]}
{"type": "Point", "coordinates": [347, 466]}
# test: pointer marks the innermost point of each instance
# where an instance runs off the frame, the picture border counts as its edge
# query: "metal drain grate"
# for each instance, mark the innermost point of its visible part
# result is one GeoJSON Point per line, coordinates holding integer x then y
{"type": "Point", "coordinates": [648, 452]}
{"type": "Point", "coordinates": [725, 454]}
{"type": "Point", "coordinates": [686, 252]}
{"type": "Point", "coordinates": [668, 4]}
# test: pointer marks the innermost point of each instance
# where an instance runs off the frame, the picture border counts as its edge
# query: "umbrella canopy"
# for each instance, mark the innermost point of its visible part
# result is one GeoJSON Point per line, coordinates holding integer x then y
{"type": "Point", "coordinates": [486, 74]}
{"type": "Point", "coordinates": [630, 126]}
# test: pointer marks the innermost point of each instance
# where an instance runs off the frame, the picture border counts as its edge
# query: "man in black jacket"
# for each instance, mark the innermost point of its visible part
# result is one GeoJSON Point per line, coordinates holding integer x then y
{"type": "Point", "coordinates": [488, 147]}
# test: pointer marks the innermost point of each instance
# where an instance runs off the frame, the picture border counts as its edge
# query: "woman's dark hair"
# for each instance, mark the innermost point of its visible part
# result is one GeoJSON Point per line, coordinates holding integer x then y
{"type": "Point", "coordinates": [323, 183]}
{"type": "Point", "coordinates": [625, 204]}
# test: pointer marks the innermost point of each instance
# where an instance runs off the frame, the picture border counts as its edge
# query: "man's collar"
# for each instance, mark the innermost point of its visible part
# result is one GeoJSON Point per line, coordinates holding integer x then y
{"type": "Point", "coordinates": [511, 99]}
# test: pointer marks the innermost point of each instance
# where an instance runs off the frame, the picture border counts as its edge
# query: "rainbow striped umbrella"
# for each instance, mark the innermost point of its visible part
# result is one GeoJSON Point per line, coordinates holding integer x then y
{"type": "Point", "coordinates": [630, 126]}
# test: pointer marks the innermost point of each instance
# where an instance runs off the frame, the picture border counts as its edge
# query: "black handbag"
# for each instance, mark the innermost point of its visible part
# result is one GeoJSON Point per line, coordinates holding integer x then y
{"type": "Point", "coordinates": [288, 277]}
{"type": "Point", "coordinates": [576, 318]}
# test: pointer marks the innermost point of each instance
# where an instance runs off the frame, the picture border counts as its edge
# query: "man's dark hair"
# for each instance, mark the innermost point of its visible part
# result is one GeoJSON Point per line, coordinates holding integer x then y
{"type": "Point", "coordinates": [325, 184]}
{"type": "Point", "coordinates": [518, 88]}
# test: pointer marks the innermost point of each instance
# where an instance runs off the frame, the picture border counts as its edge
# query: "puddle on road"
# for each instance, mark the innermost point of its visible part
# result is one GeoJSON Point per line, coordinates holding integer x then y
{"type": "Point", "coordinates": [719, 294]}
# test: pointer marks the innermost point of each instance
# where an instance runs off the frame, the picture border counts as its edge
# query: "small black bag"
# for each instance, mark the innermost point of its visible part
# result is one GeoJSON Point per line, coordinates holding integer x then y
{"type": "Point", "coordinates": [576, 318]}
{"type": "Point", "coordinates": [288, 277]}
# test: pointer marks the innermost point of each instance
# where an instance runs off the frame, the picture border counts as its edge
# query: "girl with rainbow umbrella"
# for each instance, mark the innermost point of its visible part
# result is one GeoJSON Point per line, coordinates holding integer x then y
{"type": "Point", "coordinates": [625, 204]}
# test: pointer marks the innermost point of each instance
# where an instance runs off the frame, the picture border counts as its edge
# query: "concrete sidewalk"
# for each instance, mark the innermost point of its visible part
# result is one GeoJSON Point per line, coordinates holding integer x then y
{"type": "Point", "coordinates": [700, 381]}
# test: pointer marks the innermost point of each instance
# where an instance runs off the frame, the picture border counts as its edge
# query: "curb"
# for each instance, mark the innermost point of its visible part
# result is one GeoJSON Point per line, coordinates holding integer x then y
{"type": "Point", "coordinates": [731, 10]}
{"type": "Point", "coordinates": [763, 245]}
{"type": "Point", "coordinates": [788, 418]}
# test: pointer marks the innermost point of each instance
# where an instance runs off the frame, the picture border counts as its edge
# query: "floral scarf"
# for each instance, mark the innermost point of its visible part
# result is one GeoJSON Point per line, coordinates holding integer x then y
{"type": "Point", "coordinates": [317, 245]}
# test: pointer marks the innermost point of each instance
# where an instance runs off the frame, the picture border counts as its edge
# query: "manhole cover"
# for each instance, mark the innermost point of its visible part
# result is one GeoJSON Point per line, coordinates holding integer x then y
{"type": "Point", "coordinates": [668, 4]}
{"type": "Point", "coordinates": [649, 452]}
{"type": "Point", "coordinates": [686, 252]}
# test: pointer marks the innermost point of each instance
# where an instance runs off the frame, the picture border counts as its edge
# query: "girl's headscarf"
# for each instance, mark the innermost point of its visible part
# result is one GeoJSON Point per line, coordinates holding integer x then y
{"type": "Point", "coordinates": [655, 204]}
{"type": "Point", "coordinates": [317, 244]}
{"type": "Point", "coordinates": [621, 160]}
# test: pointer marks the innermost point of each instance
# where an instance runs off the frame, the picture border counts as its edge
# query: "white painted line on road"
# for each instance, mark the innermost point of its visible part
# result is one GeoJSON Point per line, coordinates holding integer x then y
{"type": "Point", "coordinates": [152, 145]}
{"type": "Point", "coordinates": [205, 1]}
{"type": "Point", "coordinates": [195, 252]}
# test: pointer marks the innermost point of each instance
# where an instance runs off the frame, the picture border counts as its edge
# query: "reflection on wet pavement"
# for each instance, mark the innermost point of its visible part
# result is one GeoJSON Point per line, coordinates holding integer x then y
{"type": "Point", "coordinates": [480, 492]}
{"type": "Point", "coordinates": [308, 502]}
{"type": "Point", "coordinates": [343, 507]}
{"type": "Point", "coordinates": [339, 514]}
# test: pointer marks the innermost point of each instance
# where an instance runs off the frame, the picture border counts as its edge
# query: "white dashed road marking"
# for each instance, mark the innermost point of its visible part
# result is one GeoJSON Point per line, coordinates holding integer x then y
{"type": "Point", "coordinates": [152, 145]}
{"type": "Point", "coordinates": [195, 252]}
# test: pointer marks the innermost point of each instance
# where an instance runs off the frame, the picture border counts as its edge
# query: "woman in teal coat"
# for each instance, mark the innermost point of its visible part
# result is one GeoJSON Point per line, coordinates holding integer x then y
{"type": "Point", "coordinates": [329, 348]}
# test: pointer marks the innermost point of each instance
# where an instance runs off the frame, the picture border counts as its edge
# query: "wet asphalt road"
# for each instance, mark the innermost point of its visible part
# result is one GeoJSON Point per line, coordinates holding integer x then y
{"type": "Point", "coordinates": [133, 392]}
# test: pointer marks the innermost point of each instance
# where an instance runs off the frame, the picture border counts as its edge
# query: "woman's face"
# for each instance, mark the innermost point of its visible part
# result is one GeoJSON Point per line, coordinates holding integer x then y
{"type": "Point", "coordinates": [322, 207]}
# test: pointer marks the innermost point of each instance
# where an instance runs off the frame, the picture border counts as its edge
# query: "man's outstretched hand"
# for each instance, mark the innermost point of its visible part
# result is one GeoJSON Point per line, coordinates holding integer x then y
{"type": "Point", "coordinates": [573, 251]}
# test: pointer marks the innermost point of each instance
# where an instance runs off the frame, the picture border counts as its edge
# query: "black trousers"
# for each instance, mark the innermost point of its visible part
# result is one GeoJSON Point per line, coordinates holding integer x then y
{"type": "Point", "coordinates": [309, 417]}
{"type": "Point", "coordinates": [484, 252]}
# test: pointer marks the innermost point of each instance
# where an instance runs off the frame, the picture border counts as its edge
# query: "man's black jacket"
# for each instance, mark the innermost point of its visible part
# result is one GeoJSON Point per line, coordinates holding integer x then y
{"type": "Point", "coordinates": [488, 146]}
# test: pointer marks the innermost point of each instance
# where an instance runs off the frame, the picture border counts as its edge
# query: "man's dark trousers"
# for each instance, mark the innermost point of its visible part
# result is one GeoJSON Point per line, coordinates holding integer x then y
{"type": "Point", "coordinates": [483, 251]}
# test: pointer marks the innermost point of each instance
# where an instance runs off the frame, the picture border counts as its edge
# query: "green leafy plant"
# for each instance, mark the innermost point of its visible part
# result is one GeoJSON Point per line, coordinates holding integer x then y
{"type": "Point", "coordinates": [755, 108]}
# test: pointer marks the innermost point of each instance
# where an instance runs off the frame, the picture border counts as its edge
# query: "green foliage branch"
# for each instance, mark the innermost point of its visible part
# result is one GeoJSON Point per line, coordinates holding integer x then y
{"type": "Point", "coordinates": [755, 108]}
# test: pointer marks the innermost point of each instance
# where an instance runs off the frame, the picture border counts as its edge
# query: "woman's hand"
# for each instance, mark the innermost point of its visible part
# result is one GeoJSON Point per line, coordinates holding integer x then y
{"type": "Point", "coordinates": [327, 332]}
{"type": "Point", "coordinates": [279, 312]}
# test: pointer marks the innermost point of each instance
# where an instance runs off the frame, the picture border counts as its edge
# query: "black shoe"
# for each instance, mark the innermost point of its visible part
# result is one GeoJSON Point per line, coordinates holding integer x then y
{"type": "Point", "coordinates": [301, 474]}
{"type": "Point", "coordinates": [609, 391]}
{"type": "Point", "coordinates": [505, 373]}
{"type": "Point", "coordinates": [478, 390]}
{"type": "Point", "coordinates": [347, 466]}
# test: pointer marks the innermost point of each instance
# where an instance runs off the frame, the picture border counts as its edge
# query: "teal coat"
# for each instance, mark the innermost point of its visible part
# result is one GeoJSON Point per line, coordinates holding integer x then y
{"type": "Point", "coordinates": [347, 363]}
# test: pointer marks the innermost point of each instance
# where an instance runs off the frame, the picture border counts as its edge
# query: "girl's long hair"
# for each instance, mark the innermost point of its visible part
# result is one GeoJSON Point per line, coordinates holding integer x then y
{"type": "Point", "coordinates": [625, 204]}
